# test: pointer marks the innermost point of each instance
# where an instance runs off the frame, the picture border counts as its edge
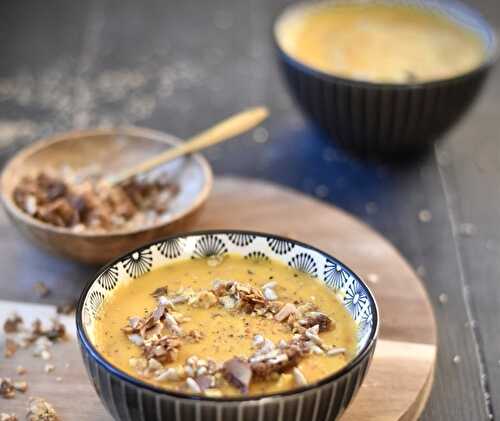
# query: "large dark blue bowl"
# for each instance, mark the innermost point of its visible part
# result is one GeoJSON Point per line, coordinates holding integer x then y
{"type": "Point", "coordinates": [388, 119]}
{"type": "Point", "coordinates": [129, 398]}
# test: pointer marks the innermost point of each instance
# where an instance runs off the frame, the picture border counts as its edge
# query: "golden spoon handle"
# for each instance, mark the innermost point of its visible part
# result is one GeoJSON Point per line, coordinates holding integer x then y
{"type": "Point", "coordinates": [225, 130]}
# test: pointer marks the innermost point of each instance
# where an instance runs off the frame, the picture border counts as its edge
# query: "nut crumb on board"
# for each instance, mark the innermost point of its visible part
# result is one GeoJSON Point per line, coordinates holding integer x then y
{"type": "Point", "coordinates": [21, 386]}
{"type": "Point", "coordinates": [49, 368]}
{"type": "Point", "coordinates": [41, 289]}
{"type": "Point", "coordinates": [7, 389]}
{"type": "Point", "coordinates": [10, 348]}
{"type": "Point", "coordinates": [7, 417]}
{"type": "Point", "coordinates": [40, 410]}
{"type": "Point", "coordinates": [21, 336]}
{"type": "Point", "coordinates": [66, 308]}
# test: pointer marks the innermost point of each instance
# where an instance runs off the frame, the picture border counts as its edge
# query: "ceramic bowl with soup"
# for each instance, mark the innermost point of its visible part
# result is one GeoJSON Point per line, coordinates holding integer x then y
{"type": "Point", "coordinates": [384, 77]}
{"type": "Point", "coordinates": [227, 324]}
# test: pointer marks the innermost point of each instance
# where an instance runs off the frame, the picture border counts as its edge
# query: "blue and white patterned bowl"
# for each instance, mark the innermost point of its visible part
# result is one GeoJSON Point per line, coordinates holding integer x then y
{"type": "Point", "coordinates": [387, 119]}
{"type": "Point", "coordinates": [128, 398]}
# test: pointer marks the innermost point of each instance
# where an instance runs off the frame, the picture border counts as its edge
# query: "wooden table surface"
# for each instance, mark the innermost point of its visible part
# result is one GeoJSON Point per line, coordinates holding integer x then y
{"type": "Point", "coordinates": [180, 66]}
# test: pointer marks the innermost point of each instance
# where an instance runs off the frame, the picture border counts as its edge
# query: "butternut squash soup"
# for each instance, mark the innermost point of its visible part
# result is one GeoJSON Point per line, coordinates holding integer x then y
{"type": "Point", "coordinates": [379, 42]}
{"type": "Point", "coordinates": [226, 327]}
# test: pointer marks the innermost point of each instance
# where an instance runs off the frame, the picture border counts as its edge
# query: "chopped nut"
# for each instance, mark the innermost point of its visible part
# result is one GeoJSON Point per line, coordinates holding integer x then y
{"type": "Point", "coordinates": [316, 318]}
{"type": "Point", "coordinates": [40, 410]}
{"type": "Point", "coordinates": [161, 291]}
{"type": "Point", "coordinates": [284, 360]}
{"type": "Point", "coordinates": [7, 390]}
{"type": "Point", "coordinates": [12, 323]}
{"type": "Point", "coordinates": [287, 310]}
{"type": "Point", "coordinates": [21, 386]}
{"type": "Point", "coordinates": [49, 368]}
{"type": "Point", "coordinates": [41, 289]}
{"type": "Point", "coordinates": [7, 417]}
{"type": "Point", "coordinates": [154, 364]}
{"type": "Point", "coordinates": [238, 373]}
{"type": "Point", "coordinates": [204, 299]}
{"type": "Point", "coordinates": [228, 302]}
{"type": "Point", "coordinates": [20, 369]}
{"type": "Point", "coordinates": [204, 381]}
{"type": "Point", "coordinates": [194, 336]}
{"type": "Point", "coordinates": [88, 204]}
{"type": "Point", "coordinates": [10, 348]}
{"type": "Point", "coordinates": [136, 339]}
{"type": "Point", "coordinates": [66, 308]}
{"type": "Point", "coordinates": [172, 324]}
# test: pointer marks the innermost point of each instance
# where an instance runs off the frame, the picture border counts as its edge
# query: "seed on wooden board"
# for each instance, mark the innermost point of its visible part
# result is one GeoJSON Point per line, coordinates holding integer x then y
{"type": "Point", "coordinates": [443, 298]}
{"type": "Point", "coordinates": [467, 229]}
{"type": "Point", "coordinates": [424, 215]}
{"type": "Point", "coordinates": [49, 368]}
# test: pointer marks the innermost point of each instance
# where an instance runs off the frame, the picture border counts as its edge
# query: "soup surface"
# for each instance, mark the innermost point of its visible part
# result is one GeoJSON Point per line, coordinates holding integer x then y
{"type": "Point", "coordinates": [226, 327]}
{"type": "Point", "coordinates": [380, 43]}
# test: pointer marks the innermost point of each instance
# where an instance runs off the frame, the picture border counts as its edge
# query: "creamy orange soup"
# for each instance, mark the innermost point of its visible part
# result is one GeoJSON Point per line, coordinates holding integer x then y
{"type": "Point", "coordinates": [226, 327]}
{"type": "Point", "coordinates": [380, 42]}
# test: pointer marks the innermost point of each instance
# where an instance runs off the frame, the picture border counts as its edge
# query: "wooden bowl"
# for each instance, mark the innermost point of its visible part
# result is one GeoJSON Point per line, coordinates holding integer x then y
{"type": "Point", "coordinates": [113, 149]}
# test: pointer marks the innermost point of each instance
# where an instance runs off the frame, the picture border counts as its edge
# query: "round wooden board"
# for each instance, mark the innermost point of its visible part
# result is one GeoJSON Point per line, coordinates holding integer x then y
{"type": "Point", "coordinates": [400, 378]}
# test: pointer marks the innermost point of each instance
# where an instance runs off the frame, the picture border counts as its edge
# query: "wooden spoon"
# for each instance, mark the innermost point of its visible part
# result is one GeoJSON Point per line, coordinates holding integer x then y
{"type": "Point", "coordinates": [225, 130]}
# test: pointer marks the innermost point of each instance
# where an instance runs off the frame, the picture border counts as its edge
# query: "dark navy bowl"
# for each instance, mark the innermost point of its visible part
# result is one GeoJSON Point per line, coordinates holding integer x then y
{"type": "Point", "coordinates": [387, 119]}
{"type": "Point", "coordinates": [128, 398]}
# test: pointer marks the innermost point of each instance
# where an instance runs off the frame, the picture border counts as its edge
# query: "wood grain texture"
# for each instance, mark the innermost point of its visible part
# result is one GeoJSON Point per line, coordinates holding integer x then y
{"type": "Point", "coordinates": [398, 382]}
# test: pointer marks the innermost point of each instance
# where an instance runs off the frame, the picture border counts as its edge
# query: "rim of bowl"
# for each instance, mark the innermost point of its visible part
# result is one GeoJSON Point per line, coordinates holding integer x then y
{"type": "Point", "coordinates": [490, 59]}
{"type": "Point", "coordinates": [134, 131]}
{"type": "Point", "coordinates": [89, 347]}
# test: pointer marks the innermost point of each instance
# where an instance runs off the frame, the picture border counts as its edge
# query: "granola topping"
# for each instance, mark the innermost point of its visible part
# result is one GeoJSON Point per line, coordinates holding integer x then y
{"type": "Point", "coordinates": [85, 202]}
{"type": "Point", "coordinates": [160, 336]}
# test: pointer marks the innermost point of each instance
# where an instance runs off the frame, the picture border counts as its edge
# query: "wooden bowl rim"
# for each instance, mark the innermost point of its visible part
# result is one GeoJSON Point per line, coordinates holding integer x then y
{"type": "Point", "coordinates": [150, 134]}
